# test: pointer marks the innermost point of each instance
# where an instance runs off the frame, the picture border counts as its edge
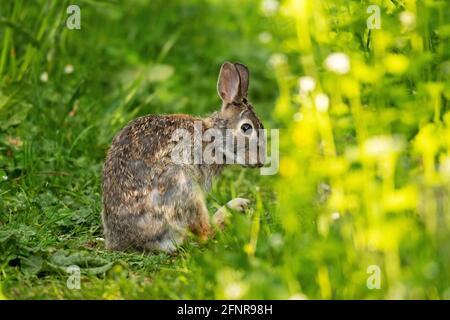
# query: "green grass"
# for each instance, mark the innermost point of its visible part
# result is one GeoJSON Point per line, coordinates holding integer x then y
{"type": "Point", "coordinates": [128, 61]}
{"type": "Point", "coordinates": [381, 147]}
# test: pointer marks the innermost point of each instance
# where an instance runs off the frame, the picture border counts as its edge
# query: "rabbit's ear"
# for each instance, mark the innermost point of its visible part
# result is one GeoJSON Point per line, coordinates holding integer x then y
{"type": "Point", "coordinates": [244, 76]}
{"type": "Point", "coordinates": [228, 85]}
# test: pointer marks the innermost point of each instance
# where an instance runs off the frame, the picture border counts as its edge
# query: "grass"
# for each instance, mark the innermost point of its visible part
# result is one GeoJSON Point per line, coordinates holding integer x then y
{"type": "Point", "coordinates": [127, 62]}
{"type": "Point", "coordinates": [363, 181]}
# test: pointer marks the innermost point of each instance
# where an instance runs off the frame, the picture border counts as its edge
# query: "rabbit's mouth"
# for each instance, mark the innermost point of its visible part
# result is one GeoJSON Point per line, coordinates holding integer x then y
{"type": "Point", "coordinates": [252, 166]}
{"type": "Point", "coordinates": [240, 159]}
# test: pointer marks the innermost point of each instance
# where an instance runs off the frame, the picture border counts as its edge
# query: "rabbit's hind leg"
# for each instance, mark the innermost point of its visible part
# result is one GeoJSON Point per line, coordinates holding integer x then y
{"type": "Point", "coordinates": [155, 233]}
{"type": "Point", "coordinates": [164, 244]}
{"type": "Point", "coordinates": [192, 215]}
{"type": "Point", "coordinates": [186, 201]}
{"type": "Point", "coordinates": [200, 225]}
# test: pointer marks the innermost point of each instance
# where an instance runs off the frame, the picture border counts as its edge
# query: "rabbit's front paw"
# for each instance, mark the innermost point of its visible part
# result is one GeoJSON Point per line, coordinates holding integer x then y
{"type": "Point", "coordinates": [221, 215]}
{"type": "Point", "coordinates": [238, 204]}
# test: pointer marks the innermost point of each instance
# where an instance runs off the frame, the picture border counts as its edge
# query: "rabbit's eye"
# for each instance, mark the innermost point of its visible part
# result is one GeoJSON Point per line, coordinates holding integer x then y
{"type": "Point", "coordinates": [246, 128]}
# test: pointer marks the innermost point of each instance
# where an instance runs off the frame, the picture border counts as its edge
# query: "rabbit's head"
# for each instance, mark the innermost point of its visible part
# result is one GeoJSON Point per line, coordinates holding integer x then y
{"type": "Point", "coordinates": [240, 120]}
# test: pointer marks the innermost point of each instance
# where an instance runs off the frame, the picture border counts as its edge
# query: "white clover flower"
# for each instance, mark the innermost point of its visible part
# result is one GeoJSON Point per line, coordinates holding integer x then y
{"type": "Point", "coordinates": [269, 7]}
{"type": "Point", "coordinates": [298, 116]}
{"type": "Point", "coordinates": [298, 296]}
{"type": "Point", "coordinates": [276, 240]}
{"type": "Point", "coordinates": [444, 167]}
{"type": "Point", "coordinates": [265, 37]}
{"type": "Point", "coordinates": [277, 59]}
{"type": "Point", "coordinates": [68, 69]}
{"type": "Point", "coordinates": [335, 215]}
{"type": "Point", "coordinates": [44, 77]}
{"type": "Point", "coordinates": [338, 62]}
{"type": "Point", "coordinates": [322, 102]}
{"type": "Point", "coordinates": [306, 84]}
{"type": "Point", "coordinates": [235, 290]}
{"type": "Point", "coordinates": [382, 145]}
{"type": "Point", "coordinates": [5, 177]}
{"type": "Point", "coordinates": [407, 19]}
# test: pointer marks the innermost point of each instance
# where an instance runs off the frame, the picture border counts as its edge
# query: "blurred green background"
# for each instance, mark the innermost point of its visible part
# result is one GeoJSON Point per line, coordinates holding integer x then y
{"type": "Point", "coordinates": [363, 186]}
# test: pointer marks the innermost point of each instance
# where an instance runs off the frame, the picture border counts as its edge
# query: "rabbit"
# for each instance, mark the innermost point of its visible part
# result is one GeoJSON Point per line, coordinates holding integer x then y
{"type": "Point", "coordinates": [150, 203]}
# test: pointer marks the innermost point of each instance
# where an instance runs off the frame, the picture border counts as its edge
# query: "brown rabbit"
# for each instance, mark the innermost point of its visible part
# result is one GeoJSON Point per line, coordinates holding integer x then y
{"type": "Point", "coordinates": [150, 201]}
